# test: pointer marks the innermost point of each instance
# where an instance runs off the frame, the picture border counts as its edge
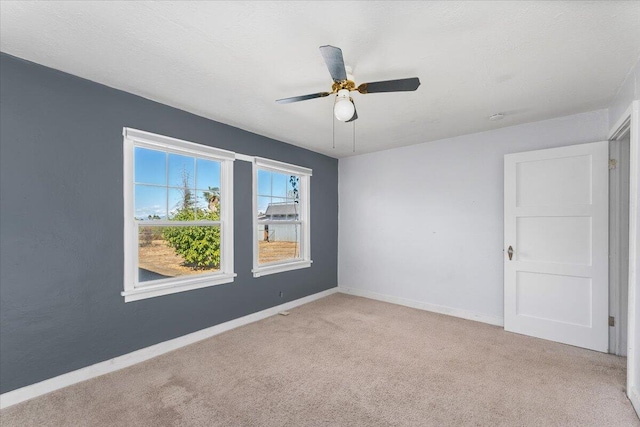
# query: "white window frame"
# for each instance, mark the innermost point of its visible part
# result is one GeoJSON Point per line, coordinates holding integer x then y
{"type": "Point", "coordinates": [133, 289]}
{"type": "Point", "coordinates": [304, 261]}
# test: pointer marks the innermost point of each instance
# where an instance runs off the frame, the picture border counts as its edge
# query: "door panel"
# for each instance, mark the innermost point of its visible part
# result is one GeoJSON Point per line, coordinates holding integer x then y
{"type": "Point", "coordinates": [564, 240]}
{"type": "Point", "coordinates": [554, 182]}
{"type": "Point", "coordinates": [544, 296]}
{"type": "Point", "coordinates": [556, 221]}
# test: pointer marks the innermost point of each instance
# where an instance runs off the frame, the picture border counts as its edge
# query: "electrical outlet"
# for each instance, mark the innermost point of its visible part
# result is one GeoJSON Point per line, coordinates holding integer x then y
{"type": "Point", "coordinates": [281, 294]}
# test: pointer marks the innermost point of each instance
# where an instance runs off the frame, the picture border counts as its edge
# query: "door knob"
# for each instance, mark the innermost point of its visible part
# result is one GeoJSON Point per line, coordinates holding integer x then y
{"type": "Point", "coordinates": [510, 252]}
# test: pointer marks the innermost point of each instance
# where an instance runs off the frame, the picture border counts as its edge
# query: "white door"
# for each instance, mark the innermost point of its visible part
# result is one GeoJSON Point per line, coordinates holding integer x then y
{"type": "Point", "coordinates": [556, 208]}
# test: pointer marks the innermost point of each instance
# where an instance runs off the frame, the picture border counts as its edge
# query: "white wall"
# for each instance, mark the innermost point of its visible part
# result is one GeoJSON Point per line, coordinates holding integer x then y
{"type": "Point", "coordinates": [425, 223]}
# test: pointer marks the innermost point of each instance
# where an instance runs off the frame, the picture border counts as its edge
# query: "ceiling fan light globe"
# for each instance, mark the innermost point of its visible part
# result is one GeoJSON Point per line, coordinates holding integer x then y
{"type": "Point", "coordinates": [344, 109]}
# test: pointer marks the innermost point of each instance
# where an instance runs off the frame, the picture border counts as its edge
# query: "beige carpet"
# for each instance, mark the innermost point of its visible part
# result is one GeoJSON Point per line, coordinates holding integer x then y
{"type": "Point", "coordinates": [348, 361]}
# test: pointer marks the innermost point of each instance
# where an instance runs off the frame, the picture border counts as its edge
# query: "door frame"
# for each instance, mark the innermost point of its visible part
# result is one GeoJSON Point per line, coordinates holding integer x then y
{"type": "Point", "coordinates": [618, 182]}
{"type": "Point", "coordinates": [631, 119]}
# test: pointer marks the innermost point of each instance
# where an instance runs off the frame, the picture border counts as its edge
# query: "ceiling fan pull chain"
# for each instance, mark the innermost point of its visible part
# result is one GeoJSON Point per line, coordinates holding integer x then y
{"type": "Point", "coordinates": [354, 136]}
{"type": "Point", "coordinates": [333, 121]}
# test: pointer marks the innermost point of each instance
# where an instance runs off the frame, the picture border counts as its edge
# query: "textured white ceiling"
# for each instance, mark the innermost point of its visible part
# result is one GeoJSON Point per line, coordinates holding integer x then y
{"type": "Point", "coordinates": [229, 61]}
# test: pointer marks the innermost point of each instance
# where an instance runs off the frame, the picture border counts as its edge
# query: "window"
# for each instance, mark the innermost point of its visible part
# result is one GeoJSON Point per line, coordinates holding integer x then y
{"type": "Point", "coordinates": [178, 215]}
{"type": "Point", "coordinates": [281, 217]}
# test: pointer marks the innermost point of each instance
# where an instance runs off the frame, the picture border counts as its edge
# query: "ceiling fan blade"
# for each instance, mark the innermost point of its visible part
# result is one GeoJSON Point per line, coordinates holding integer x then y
{"type": "Point", "coordinates": [400, 85]}
{"type": "Point", "coordinates": [355, 115]}
{"type": "Point", "coordinates": [335, 62]}
{"type": "Point", "coordinates": [302, 98]}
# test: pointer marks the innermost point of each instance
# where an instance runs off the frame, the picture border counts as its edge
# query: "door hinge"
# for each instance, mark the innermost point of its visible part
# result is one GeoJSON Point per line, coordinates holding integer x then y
{"type": "Point", "coordinates": [612, 321]}
{"type": "Point", "coordinates": [612, 163]}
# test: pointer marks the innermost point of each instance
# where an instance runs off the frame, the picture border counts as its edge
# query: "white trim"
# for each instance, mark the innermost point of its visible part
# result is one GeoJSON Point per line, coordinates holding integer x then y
{"type": "Point", "coordinates": [622, 124]}
{"type": "Point", "coordinates": [631, 119]}
{"type": "Point", "coordinates": [133, 290]}
{"type": "Point", "coordinates": [227, 209]}
{"type": "Point", "coordinates": [265, 270]}
{"type": "Point", "coordinates": [634, 397]}
{"type": "Point", "coordinates": [129, 229]}
{"type": "Point", "coordinates": [633, 347]}
{"type": "Point", "coordinates": [38, 389]}
{"type": "Point", "coordinates": [281, 166]}
{"type": "Point", "coordinates": [170, 144]}
{"type": "Point", "coordinates": [304, 261]}
{"type": "Point", "coordinates": [173, 287]}
{"type": "Point", "coordinates": [254, 216]}
{"type": "Point", "coordinates": [165, 223]}
{"type": "Point", "coordinates": [441, 309]}
{"type": "Point", "coordinates": [244, 158]}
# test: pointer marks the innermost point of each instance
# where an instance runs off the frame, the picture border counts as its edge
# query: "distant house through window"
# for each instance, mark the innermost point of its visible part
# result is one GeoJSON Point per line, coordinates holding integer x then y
{"type": "Point", "coordinates": [281, 196]}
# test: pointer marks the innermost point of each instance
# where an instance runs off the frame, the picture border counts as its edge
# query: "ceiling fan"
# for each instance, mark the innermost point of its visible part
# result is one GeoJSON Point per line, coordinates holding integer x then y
{"type": "Point", "coordinates": [343, 83]}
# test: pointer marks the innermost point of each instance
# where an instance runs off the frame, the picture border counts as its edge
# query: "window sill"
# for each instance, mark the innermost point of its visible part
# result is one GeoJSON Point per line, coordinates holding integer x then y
{"type": "Point", "coordinates": [279, 268]}
{"type": "Point", "coordinates": [172, 288]}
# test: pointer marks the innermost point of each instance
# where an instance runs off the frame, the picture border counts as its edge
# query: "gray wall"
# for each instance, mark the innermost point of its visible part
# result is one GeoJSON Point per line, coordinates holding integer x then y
{"type": "Point", "coordinates": [61, 224]}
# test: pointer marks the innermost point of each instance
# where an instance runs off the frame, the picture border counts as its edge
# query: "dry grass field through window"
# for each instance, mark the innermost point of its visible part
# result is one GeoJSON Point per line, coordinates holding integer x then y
{"type": "Point", "coordinates": [160, 258]}
{"type": "Point", "coordinates": [277, 251]}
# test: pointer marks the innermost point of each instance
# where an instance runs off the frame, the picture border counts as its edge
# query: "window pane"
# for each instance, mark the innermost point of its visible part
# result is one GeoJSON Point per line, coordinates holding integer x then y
{"type": "Point", "coordinates": [263, 204]}
{"type": "Point", "coordinates": [150, 203]}
{"type": "Point", "coordinates": [278, 242]}
{"type": "Point", "coordinates": [150, 166]}
{"type": "Point", "coordinates": [264, 183]}
{"type": "Point", "coordinates": [208, 205]}
{"type": "Point", "coordinates": [278, 209]}
{"type": "Point", "coordinates": [293, 187]}
{"type": "Point", "coordinates": [182, 204]}
{"type": "Point", "coordinates": [279, 184]}
{"type": "Point", "coordinates": [181, 171]}
{"type": "Point", "coordinates": [207, 174]}
{"type": "Point", "coordinates": [165, 252]}
{"type": "Point", "coordinates": [293, 210]}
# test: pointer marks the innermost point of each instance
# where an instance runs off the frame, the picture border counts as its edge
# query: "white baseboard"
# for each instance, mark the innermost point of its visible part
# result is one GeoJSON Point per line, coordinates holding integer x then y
{"type": "Point", "coordinates": [441, 309]}
{"type": "Point", "coordinates": [34, 390]}
{"type": "Point", "coordinates": [634, 397]}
